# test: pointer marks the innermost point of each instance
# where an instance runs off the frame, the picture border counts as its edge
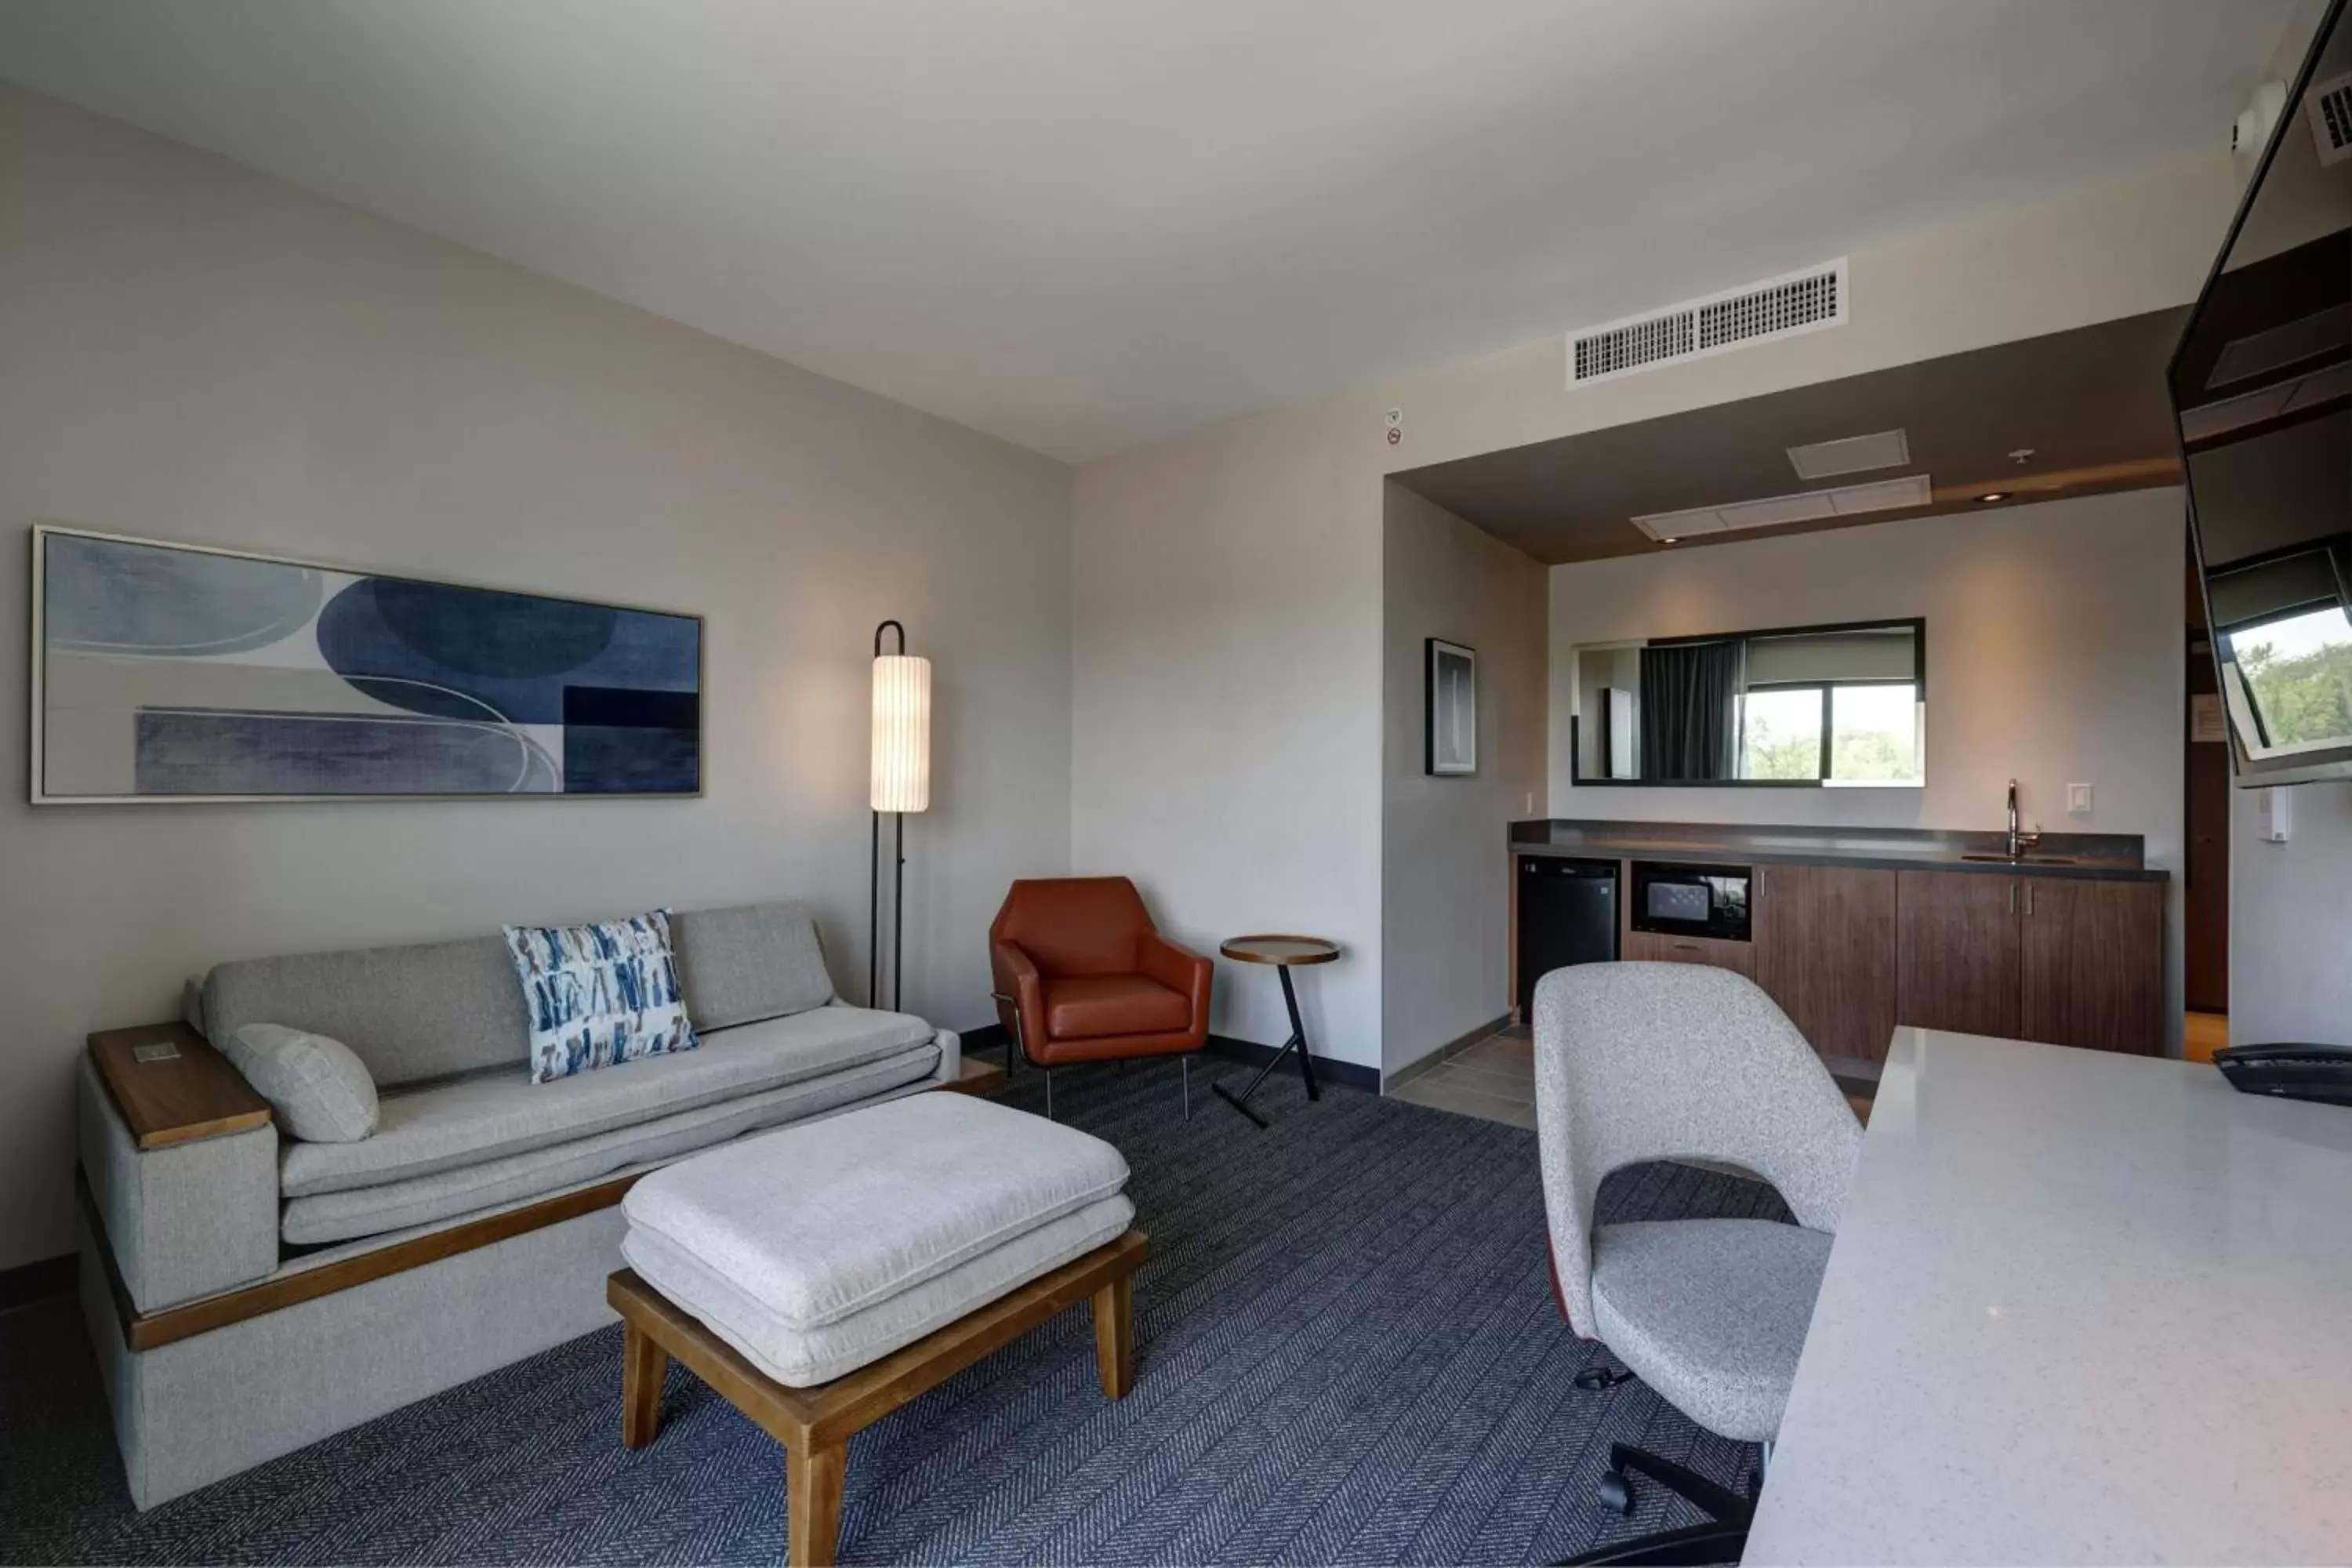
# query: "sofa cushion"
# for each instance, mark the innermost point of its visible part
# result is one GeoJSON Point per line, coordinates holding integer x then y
{"type": "Point", "coordinates": [474, 1119]}
{"type": "Point", "coordinates": [317, 1087]}
{"type": "Point", "coordinates": [798, 1358]}
{"type": "Point", "coordinates": [818, 1222]}
{"type": "Point", "coordinates": [422, 1200]}
{"type": "Point", "coordinates": [1084, 1004]}
{"type": "Point", "coordinates": [598, 995]}
{"type": "Point", "coordinates": [740, 965]}
{"type": "Point", "coordinates": [408, 1013]}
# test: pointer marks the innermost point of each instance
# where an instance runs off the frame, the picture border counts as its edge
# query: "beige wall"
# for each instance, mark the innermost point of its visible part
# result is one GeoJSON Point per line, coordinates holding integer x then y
{"type": "Point", "coordinates": [195, 351]}
{"type": "Point", "coordinates": [1226, 733]}
{"type": "Point", "coordinates": [1226, 683]}
{"type": "Point", "coordinates": [2054, 657]}
{"type": "Point", "coordinates": [1444, 875]}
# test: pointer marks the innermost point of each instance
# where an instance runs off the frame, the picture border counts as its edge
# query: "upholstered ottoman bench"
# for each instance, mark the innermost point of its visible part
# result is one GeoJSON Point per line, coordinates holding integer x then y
{"type": "Point", "coordinates": [820, 1277]}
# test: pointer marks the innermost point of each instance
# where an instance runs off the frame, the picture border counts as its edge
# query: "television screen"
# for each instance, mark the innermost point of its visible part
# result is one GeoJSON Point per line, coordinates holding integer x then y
{"type": "Point", "coordinates": [2263, 386]}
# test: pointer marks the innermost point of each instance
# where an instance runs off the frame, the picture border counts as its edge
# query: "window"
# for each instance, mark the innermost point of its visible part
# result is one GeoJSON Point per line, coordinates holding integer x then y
{"type": "Point", "coordinates": [1781, 733]}
{"type": "Point", "coordinates": [1875, 733]}
{"type": "Point", "coordinates": [1834, 733]}
{"type": "Point", "coordinates": [2297, 675]}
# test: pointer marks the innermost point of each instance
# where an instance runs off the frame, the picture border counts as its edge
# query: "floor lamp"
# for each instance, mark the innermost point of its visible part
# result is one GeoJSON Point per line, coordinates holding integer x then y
{"type": "Point", "coordinates": [902, 782]}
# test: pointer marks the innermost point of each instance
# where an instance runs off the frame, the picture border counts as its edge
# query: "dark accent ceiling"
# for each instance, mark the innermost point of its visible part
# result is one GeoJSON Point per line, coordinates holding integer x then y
{"type": "Point", "coordinates": [2090, 402]}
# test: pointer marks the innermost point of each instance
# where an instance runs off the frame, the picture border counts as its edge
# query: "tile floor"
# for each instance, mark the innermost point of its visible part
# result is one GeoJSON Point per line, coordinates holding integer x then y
{"type": "Point", "coordinates": [1494, 1078]}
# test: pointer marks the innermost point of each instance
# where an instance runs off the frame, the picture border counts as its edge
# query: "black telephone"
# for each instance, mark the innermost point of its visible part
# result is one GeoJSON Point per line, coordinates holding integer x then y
{"type": "Point", "coordinates": [2290, 1071]}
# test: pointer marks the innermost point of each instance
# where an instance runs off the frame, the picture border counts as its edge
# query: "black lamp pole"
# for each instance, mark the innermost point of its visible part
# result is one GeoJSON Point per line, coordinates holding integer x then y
{"type": "Point", "coordinates": [898, 882]}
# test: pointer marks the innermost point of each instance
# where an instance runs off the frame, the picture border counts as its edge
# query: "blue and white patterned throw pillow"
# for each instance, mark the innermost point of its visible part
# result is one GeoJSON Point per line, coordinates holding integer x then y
{"type": "Point", "coordinates": [599, 994]}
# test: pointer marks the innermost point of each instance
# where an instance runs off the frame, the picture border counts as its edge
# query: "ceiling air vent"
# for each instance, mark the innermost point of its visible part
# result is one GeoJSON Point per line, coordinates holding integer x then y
{"type": "Point", "coordinates": [2330, 107]}
{"type": "Point", "coordinates": [1753, 314]}
{"type": "Point", "coordinates": [1772, 511]}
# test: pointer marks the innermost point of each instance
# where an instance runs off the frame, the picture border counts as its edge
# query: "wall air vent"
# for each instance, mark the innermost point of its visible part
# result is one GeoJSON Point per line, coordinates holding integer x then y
{"type": "Point", "coordinates": [1754, 313]}
{"type": "Point", "coordinates": [1773, 511]}
{"type": "Point", "coordinates": [2329, 105]}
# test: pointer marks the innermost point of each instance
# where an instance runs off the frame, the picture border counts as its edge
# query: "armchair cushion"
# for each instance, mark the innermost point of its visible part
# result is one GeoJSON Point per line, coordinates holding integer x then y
{"type": "Point", "coordinates": [1085, 1005]}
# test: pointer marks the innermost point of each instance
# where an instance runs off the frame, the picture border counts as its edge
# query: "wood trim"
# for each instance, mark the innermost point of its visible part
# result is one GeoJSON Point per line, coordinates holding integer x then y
{"type": "Point", "coordinates": [194, 1094]}
{"type": "Point", "coordinates": [831, 1412]}
{"type": "Point", "coordinates": [168, 1325]}
{"type": "Point", "coordinates": [975, 1078]}
{"type": "Point", "coordinates": [1231, 948]}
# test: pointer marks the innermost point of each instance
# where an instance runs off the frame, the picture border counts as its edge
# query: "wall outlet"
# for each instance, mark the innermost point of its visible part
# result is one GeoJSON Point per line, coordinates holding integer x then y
{"type": "Point", "coordinates": [2078, 800]}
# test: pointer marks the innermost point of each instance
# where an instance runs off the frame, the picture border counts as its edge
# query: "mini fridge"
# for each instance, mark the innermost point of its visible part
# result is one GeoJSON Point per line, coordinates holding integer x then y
{"type": "Point", "coordinates": [1568, 914]}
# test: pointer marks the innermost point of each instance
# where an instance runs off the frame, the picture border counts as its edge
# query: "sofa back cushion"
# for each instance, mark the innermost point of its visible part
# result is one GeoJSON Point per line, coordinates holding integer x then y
{"type": "Point", "coordinates": [752, 962]}
{"type": "Point", "coordinates": [408, 1013]}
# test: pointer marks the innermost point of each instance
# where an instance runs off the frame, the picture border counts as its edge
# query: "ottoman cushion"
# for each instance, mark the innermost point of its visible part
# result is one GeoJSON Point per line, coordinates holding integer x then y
{"type": "Point", "coordinates": [821, 1221]}
{"type": "Point", "coordinates": [799, 1358]}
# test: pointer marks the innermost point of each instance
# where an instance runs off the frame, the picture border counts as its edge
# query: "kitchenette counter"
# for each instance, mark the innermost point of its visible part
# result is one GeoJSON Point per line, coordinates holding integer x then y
{"type": "Point", "coordinates": [2101, 856]}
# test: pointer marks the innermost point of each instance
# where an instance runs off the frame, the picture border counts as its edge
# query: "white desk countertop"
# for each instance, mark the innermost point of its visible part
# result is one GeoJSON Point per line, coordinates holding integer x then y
{"type": "Point", "coordinates": [2083, 1308]}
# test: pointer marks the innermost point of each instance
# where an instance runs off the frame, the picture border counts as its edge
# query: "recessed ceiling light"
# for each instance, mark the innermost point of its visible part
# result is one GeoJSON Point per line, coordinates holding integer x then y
{"type": "Point", "coordinates": [1674, 541]}
{"type": "Point", "coordinates": [1992, 496]}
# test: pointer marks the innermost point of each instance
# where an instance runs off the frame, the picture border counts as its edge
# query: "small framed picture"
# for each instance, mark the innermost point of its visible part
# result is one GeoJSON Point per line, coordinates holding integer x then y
{"type": "Point", "coordinates": [1451, 721]}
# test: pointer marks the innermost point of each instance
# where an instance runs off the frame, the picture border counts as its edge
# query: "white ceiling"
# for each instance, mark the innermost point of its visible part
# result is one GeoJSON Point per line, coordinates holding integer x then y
{"type": "Point", "coordinates": [1084, 225]}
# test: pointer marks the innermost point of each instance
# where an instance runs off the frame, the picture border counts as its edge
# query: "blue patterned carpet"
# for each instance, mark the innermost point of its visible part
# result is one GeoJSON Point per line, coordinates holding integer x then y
{"type": "Point", "coordinates": [1347, 1352]}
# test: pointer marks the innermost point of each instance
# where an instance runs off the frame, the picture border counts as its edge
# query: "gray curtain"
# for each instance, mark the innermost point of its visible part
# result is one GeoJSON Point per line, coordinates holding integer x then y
{"type": "Point", "coordinates": [1690, 710]}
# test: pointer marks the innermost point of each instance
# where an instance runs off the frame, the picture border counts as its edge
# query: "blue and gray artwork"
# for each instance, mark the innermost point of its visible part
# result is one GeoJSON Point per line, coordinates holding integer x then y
{"type": "Point", "coordinates": [168, 671]}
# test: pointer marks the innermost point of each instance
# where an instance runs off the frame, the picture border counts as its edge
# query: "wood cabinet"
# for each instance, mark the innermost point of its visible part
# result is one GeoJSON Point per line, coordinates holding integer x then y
{"type": "Point", "coordinates": [1956, 945]}
{"type": "Point", "coordinates": [1657, 948]}
{"type": "Point", "coordinates": [2091, 965]}
{"type": "Point", "coordinates": [2065, 960]}
{"type": "Point", "coordinates": [1825, 951]}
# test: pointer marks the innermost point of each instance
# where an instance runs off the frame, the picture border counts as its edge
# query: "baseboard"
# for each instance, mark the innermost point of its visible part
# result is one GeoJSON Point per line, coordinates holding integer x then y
{"type": "Point", "coordinates": [1352, 1075]}
{"type": "Point", "coordinates": [30, 1282]}
{"type": "Point", "coordinates": [987, 1037]}
{"type": "Point", "coordinates": [1393, 1082]}
{"type": "Point", "coordinates": [1349, 1075]}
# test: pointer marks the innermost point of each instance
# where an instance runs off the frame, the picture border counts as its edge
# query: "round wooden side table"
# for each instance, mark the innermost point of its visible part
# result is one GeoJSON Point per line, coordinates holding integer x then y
{"type": "Point", "coordinates": [1286, 953]}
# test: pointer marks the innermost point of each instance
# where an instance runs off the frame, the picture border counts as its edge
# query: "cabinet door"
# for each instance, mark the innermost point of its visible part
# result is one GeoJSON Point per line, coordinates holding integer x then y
{"type": "Point", "coordinates": [1825, 953]}
{"type": "Point", "coordinates": [1956, 952]}
{"type": "Point", "coordinates": [2094, 964]}
{"type": "Point", "coordinates": [1657, 948]}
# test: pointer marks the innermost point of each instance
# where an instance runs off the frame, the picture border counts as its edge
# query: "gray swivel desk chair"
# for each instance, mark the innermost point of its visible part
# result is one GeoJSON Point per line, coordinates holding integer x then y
{"type": "Point", "coordinates": [1655, 1061]}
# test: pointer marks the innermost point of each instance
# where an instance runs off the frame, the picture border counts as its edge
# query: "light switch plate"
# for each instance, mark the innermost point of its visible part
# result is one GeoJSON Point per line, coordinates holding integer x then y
{"type": "Point", "coordinates": [2078, 800]}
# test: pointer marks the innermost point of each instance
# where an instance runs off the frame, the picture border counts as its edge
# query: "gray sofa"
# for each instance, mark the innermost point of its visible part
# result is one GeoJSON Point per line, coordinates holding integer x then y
{"type": "Point", "coordinates": [177, 1236]}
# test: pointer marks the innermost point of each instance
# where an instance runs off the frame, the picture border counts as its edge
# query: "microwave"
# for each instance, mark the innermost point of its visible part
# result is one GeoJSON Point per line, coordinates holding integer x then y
{"type": "Point", "coordinates": [1691, 900]}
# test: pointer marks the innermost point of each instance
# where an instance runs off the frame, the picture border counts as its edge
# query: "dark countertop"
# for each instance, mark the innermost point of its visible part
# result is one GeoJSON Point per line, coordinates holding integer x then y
{"type": "Point", "coordinates": [2101, 856]}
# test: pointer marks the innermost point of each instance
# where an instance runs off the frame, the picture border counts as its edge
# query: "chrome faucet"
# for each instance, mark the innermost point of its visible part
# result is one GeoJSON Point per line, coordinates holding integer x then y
{"type": "Point", "coordinates": [2018, 843]}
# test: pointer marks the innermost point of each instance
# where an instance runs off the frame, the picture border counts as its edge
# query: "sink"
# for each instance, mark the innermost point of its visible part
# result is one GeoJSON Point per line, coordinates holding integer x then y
{"type": "Point", "coordinates": [2024, 860]}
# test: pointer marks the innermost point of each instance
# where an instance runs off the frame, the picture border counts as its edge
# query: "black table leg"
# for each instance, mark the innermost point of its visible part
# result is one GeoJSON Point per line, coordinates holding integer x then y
{"type": "Point", "coordinates": [1297, 1042]}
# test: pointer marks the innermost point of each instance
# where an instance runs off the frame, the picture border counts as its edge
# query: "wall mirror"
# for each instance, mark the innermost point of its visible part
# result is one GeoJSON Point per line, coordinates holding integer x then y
{"type": "Point", "coordinates": [1795, 706]}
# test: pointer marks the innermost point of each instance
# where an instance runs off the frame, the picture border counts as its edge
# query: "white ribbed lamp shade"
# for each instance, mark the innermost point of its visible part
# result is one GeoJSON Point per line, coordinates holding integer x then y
{"type": "Point", "coordinates": [902, 733]}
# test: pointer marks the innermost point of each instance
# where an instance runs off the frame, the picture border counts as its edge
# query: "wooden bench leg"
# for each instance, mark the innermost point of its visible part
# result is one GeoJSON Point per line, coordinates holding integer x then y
{"type": "Point", "coordinates": [643, 1366]}
{"type": "Point", "coordinates": [813, 1478]}
{"type": "Point", "coordinates": [1115, 1336]}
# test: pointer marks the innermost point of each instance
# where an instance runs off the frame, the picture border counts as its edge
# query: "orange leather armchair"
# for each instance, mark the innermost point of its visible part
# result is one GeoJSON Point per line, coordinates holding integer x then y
{"type": "Point", "coordinates": [1082, 975]}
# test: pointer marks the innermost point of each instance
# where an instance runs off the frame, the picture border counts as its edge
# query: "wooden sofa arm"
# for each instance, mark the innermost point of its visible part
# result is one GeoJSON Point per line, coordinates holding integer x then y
{"type": "Point", "coordinates": [170, 1086]}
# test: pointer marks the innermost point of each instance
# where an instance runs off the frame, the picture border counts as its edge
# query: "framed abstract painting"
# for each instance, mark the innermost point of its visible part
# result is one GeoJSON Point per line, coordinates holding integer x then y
{"type": "Point", "coordinates": [1450, 721]}
{"type": "Point", "coordinates": [179, 673]}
